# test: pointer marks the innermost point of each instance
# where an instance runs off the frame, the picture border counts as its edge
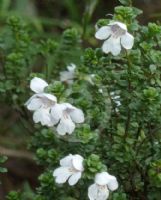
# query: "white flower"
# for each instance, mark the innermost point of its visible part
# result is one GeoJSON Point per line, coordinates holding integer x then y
{"type": "Point", "coordinates": [71, 168]}
{"type": "Point", "coordinates": [66, 116]}
{"type": "Point", "coordinates": [100, 90]}
{"type": "Point", "coordinates": [115, 98]}
{"type": "Point", "coordinates": [41, 102]}
{"type": "Point", "coordinates": [115, 35]}
{"type": "Point", "coordinates": [90, 78]}
{"type": "Point", "coordinates": [103, 183]}
{"type": "Point", "coordinates": [68, 76]}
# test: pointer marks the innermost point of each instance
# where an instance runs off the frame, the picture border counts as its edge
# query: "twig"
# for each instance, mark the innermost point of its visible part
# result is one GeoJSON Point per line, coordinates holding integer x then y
{"type": "Point", "coordinates": [127, 124]}
{"type": "Point", "coordinates": [16, 153]}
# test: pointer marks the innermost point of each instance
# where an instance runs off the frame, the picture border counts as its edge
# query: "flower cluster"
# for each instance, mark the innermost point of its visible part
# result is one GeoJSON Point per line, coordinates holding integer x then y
{"type": "Point", "coordinates": [49, 113]}
{"type": "Point", "coordinates": [71, 168]}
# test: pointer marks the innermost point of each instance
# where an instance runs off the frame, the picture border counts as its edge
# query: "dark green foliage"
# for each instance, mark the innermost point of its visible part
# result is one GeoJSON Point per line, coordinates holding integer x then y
{"type": "Point", "coordinates": [2, 160]}
{"type": "Point", "coordinates": [124, 140]}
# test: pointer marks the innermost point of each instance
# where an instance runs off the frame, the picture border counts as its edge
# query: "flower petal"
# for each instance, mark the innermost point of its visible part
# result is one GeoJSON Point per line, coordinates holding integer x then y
{"type": "Point", "coordinates": [112, 45]}
{"type": "Point", "coordinates": [96, 192]}
{"type": "Point", "coordinates": [66, 161]}
{"type": "Point", "coordinates": [65, 126]}
{"type": "Point", "coordinates": [71, 67]}
{"type": "Point", "coordinates": [112, 182]}
{"type": "Point", "coordinates": [50, 97]}
{"type": "Point", "coordinates": [62, 174]}
{"type": "Point", "coordinates": [102, 178]}
{"type": "Point", "coordinates": [66, 76]}
{"type": "Point", "coordinates": [77, 115]}
{"type": "Point", "coordinates": [34, 103]}
{"type": "Point", "coordinates": [74, 178]}
{"type": "Point", "coordinates": [127, 41]}
{"type": "Point", "coordinates": [92, 192]}
{"type": "Point", "coordinates": [57, 112]}
{"type": "Point", "coordinates": [37, 85]}
{"type": "Point", "coordinates": [118, 103]}
{"type": "Point", "coordinates": [68, 106]}
{"type": "Point", "coordinates": [103, 33]}
{"type": "Point", "coordinates": [120, 24]}
{"type": "Point", "coordinates": [103, 192]}
{"type": "Point", "coordinates": [42, 115]}
{"type": "Point", "coordinates": [77, 162]}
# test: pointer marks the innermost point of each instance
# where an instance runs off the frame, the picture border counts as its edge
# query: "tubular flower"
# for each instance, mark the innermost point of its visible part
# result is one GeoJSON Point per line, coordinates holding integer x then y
{"type": "Point", "coordinates": [103, 183]}
{"type": "Point", "coordinates": [66, 115]}
{"type": "Point", "coordinates": [115, 35]}
{"type": "Point", "coordinates": [68, 76]}
{"type": "Point", "coordinates": [41, 102]}
{"type": "Point", "coordinates": [71, 168]}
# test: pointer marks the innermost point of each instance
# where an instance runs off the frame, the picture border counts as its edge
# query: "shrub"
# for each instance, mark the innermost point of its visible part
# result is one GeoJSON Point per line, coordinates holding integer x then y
{"type": "Point", "coordinates": [114, 98]}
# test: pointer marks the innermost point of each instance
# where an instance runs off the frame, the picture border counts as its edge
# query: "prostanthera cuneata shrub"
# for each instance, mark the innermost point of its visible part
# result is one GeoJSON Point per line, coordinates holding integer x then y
{"type": "Point", "coordinates": [97, 123]}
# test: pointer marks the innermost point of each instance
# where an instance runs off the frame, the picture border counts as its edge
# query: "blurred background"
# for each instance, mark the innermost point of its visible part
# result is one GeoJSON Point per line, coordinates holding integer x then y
{"type": "Point", "coordinates": [48, 18]}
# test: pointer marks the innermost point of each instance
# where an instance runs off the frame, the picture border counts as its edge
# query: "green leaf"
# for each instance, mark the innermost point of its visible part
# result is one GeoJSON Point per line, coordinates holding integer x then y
{"type": "Point", "coordinates": [126, 2]}
{"type": "Point", "coordinates": [89, 10]}
{"type": "Point", "coordinates": [3, 170]}
{"type": "Point", "coordinates": [3, 159]}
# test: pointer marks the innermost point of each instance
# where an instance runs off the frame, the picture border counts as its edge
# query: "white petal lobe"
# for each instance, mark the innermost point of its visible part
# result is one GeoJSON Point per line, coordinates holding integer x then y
{"type": "Point", "coordinates": [66, 161]}
{"type": "Point", "coordinates": [50, 97]}
{"type": "Point", "coordinates": [34, 103]}
{"type": "Point", "coordinates": [112, 183]}
{"type": "Point", "coordinates": [56, 113]}
{"type": "Point", "coordinates": [65, 126]}
{"type": "Point", "coordinates": [120, 24]}
{"type": "Point", "coordinates": [62, 174]}
{"type": "Point", "coordinates": [77, 115]}
{"type": "Point", "coordinates": [127, 41]}
{"type": "Point", "coordinates": [101, 178]}
{"type": "Point", "coordinates": [112, 45]}
{"type": "Point", "coordinates": [92, 192]}
{"type": "Point", "coordinates": [42, 115]}
{"type": "Point", "coordinates": [77, 162]}
{"type": "Point", "coordinates": [74, 178]}
{"type": "Point", "coordinates": [37, 85]}
{"type": "Point", "coordinates": [103, 33]}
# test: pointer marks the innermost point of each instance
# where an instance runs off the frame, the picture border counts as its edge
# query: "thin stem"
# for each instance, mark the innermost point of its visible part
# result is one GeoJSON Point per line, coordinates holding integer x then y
{"type": "Point", "coordinates": [151, 140]}
{"type": "Point", "coordinates": [16, 153]}
{"type": "Point", "coordinates": [129, 90]}
{"type": "Point", "coordinates": [137, 134]}
{"type": "Point", "coordinates": [146, 138]}
{"type": "Point", "coordinates": [47, 71]}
